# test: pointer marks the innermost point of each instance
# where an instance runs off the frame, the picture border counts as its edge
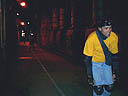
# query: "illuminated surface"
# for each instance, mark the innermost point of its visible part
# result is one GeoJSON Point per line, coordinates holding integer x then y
{"type": "Point", "coordinates": [24, 57]}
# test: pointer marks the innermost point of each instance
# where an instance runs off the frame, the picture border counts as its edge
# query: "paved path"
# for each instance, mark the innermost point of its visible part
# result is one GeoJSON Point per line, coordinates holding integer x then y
{"type": "Point", "coordinates": [42, 73]}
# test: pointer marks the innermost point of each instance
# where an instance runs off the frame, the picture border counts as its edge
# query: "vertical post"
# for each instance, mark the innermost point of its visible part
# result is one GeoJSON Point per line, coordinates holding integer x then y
{"type": "Point", "coordinates": [93, 12]}
{"type": "Point", "coordinates": [2, 23]}
{"type": "Point", "coordinates": [2, 46]}
{"type": "Point", "coordinates": [67, 23]}
{"type": "Point", "coordinates": [99, 8]}
{"type": "Point", "coordinates": [2, 29]}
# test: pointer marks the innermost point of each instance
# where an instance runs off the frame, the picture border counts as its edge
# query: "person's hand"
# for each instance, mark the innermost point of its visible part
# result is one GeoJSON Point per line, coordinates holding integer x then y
{"type": "Point", "coordinates": [115, 77]}
{"type": "Point", "coordinates": [90, 80]}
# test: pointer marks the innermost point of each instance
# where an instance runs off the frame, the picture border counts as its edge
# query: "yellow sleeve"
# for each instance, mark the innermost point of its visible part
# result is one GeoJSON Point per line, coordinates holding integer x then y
{"type": "Point", "coordinates": [88, 47]}
{"type": "Point", "coordinates": [114, 45]}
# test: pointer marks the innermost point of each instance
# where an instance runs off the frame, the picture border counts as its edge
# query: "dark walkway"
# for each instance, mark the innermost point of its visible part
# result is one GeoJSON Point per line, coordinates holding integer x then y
{"type": "Point", "coordinates": [42, 73]}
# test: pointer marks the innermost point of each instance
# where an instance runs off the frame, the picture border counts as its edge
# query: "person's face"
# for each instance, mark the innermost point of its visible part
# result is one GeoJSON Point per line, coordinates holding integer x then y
{"type": "Point", "coordinates": [106, 30]}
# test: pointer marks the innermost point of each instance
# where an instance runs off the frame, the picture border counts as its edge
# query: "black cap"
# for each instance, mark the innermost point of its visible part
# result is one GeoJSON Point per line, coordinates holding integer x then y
{"type": "Point", "coordinates": [104, 22]}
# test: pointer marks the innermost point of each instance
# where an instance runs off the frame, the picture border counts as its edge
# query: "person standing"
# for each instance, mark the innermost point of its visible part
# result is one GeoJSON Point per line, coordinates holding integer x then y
{"type": "Point", "coordinates": [101, 58]}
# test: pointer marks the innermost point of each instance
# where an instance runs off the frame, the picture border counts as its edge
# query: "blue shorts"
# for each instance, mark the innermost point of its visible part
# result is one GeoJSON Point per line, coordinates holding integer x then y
{"type": "Point", "coordinates": [102, 73]}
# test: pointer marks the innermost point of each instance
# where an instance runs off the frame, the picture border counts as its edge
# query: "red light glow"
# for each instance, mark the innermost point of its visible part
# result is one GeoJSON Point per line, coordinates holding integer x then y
{"type": "Point", "coordinates": [24, 58]}
{"type": "Point", "coordinates": [22, 23]}
{"type": "Point", "coordinates": [23, 4]}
